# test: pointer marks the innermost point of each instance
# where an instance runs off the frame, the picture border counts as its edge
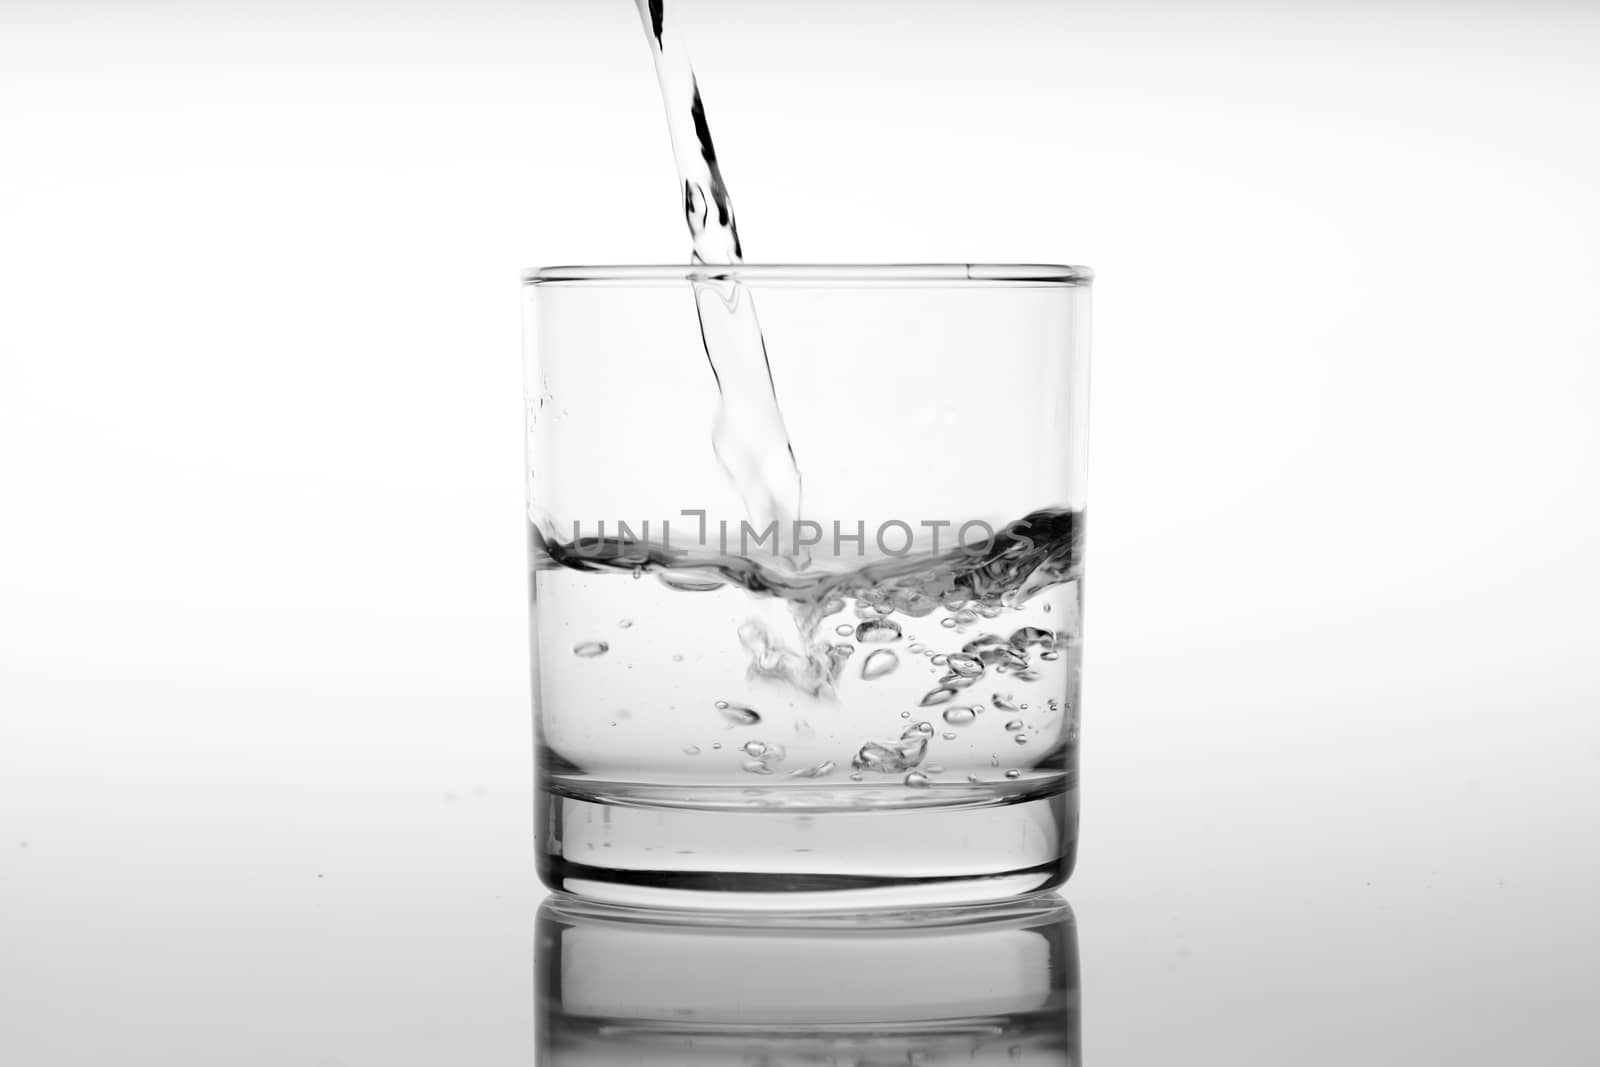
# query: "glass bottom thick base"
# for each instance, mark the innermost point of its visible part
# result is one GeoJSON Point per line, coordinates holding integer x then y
{"type": "Point", "coordinates": [664, 848]}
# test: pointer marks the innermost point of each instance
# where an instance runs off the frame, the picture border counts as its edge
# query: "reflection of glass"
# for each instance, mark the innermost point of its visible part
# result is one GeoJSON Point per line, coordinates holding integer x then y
{"type": "Point", "coordinates": [992, 985]}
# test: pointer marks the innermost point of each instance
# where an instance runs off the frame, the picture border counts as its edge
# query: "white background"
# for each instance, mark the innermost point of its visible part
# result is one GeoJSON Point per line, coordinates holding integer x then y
{"type": "Point", "coordinates": [264, 743]}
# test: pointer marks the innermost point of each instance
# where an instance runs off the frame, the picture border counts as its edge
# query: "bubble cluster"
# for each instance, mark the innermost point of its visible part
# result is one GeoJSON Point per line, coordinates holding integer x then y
{"type": "Point", "coordinates": [892, 758]}
{"type": "Point", "coordinates": [763, 754]}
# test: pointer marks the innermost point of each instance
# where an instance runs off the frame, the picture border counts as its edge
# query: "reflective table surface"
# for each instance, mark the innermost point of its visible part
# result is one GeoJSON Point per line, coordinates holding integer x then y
{"type": "Point", "coordinates": [405, 930]}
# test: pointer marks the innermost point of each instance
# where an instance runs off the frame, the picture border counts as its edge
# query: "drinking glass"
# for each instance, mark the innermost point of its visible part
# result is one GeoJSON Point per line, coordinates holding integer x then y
{"type": "Point", "coordinates": [861, 695]}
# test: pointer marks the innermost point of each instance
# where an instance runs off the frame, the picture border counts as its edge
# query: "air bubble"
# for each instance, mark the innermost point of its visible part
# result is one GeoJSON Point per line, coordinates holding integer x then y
{"type": "Point", "coordinates": [995, 655]}
{"type": "Point", "coordinates": [691, 750]}
{"type": "Point", "coordinates": [941, 695]}
{"type": "Point", "coordinates": [1013, 773]}
{"type": "Point", "coordinates": [965, 665]}
{"type": "Point", "coordinates": [1003, 701]}
{"type": "Point", "coordinates": [879, 663]}
{"type": "Point", "coordinates": [590, 649]}
{"type": "Point", "coordinates": [737, 714]}
{"type": "Point", "coordinates": [1021, 739]}
{"type": "Point", "coordinates": [1049, 657]}
{"type": "Point", "coordinates": [948, 736]}
{"type": "Point", "coordinates": [821, 770]}
{"type": "Point", "coordinates": [625, 623]}
{"type": "Point", "coordinates": [917, 781]}
{"type": "Point", "coordinates": [959, 716]}
{"type": "Point", "coordinates": [921, 729]}
{"type": "Point", "coordinates": [844, 629]}
{"type": "Point", "coordinates": [1028, 636]}
{"type": "Point", "coordinates": [688, 583]}
{"type": "Point", "coordinates": [878, 632]}
{"type": "Point", "coordinates": [755, 766]}
{"type": "Point", "coordinates": [1013, 726]}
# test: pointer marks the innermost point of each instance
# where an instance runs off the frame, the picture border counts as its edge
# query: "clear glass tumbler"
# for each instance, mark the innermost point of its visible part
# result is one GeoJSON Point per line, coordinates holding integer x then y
{"type": "Point", "coordinates": [856, 687]}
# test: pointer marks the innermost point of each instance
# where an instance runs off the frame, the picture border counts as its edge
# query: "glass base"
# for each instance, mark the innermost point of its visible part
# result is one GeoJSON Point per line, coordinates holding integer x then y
{"type": "Point", "coordinates": [620, 850]}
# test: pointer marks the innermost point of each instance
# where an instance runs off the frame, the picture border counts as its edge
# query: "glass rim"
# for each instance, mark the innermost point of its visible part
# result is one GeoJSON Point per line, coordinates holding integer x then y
{"type": "Point", "coordinates": [840, 274]}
